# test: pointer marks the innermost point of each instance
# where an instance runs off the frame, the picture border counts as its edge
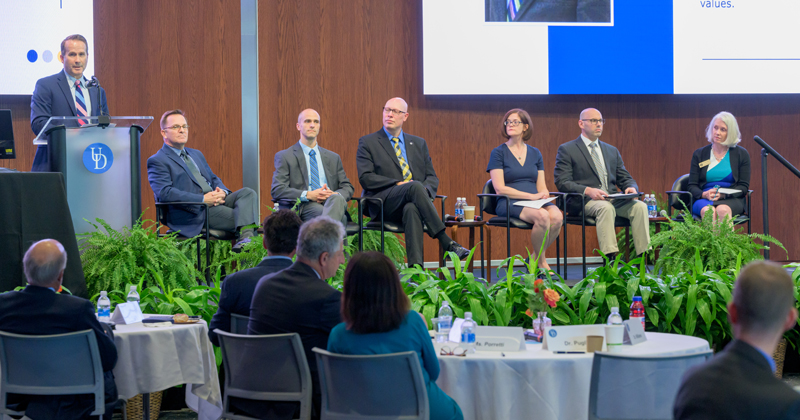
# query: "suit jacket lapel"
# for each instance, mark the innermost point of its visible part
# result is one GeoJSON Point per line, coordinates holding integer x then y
{"type": "Point", "coordinates": [527, 4]}
{"type": "Point", "coordinates": [94, 94]}
{"type": "Point", "coordinates": [586, 154]}
{"type": "Point", "coordinates": [329, 168]}
{"type": "Point", "coordinates": [386, 143]}
{"type": "Point", "coordinates": [177, 159]}
{"type": "Point", "coordinates": [734, 159]}
{"type": "Point", "coordinates": [301, 162]}
{"type": "Point", "coordinates": [604, 149]}
{"type": "Point", "coordinates": [413, 154]}
{"type": "Point", "coordinates": [63, 83]}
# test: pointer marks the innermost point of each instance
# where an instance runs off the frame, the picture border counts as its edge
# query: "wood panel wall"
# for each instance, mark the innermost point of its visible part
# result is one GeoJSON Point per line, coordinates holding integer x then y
{"type": "Point", "coordinates": [346, 58]}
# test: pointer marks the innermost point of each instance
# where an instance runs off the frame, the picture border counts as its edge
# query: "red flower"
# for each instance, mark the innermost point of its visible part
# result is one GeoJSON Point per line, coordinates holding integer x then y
{"type": "Point", "coordinates": [536, 290]}
{"type": "Point", "coordinates": [529, 313]}
{"type": "Point", "coordinates": [538, 282]}
{"type": "Point", "coordinates": [551, 297]}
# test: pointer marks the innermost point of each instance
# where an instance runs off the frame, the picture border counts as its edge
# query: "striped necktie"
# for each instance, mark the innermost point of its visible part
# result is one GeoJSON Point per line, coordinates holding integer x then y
{"type": "Point", "coordinates": [80, 103]}
{"type": "Point", "coordinates": [312, 158]}
{"type": "Point", "coordinates": [598, 165]}
{"type": "Point", "coordinates": [513, 8]}
{"type": "Point", "coordinates": [403, 164]}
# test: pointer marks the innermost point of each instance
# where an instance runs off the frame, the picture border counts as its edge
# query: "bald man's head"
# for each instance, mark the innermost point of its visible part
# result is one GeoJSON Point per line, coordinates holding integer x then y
{"type": "Point", "coordinates": [44, 263]}
{"type": "Point", "coordinates": [591, 123]}
{"type": "Point", "coordinates": [308, 124]}
{"type": "Point", "coordinates": [395, 113]}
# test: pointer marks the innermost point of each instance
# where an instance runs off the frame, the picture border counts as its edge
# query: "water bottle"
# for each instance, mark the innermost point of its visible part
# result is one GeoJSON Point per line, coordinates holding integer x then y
{"type": "Point", "coordinates": [649, 202]}
{"type": "Point", "coordinates": [459, 210]}
{"type": "Point", "coordinates": [468, 333]}
{"type": "Point", "coordinates": [445, 322]}
{"type": "Point", "coordinates": [654, 203]}
{"type": "Point", "coordinates": [615, 318]}
{"type": "Point", "coordinates": [132, 295]}
{"type": "Point", "coordinates": [277, 207]}
{"type": "Point", "coordinates": [637, 309]}
{"type": "Point", "coordinates": [103, 307]}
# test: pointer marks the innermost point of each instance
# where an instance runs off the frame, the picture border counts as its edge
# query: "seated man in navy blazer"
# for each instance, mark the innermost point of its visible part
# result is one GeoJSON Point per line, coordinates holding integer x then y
{"type": "Point", "coordinates": [178, 173]}
{"type": "Point", "coordinates": [280, 240]}
{"type": "Point", "coordinates": [739, 382]}
{"type": "Point", "coordinates": [312, 174]}
{"type": "Point", "coordinates": [40, 310]}
{"type": "Point", "coordinates": [65, 94]}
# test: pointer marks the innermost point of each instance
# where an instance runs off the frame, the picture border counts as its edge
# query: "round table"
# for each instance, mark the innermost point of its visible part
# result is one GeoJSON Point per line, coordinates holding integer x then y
{"type": "Point", "coordinates": [152, 359]}
{"type": "Point", "coordinates": [536, 383]}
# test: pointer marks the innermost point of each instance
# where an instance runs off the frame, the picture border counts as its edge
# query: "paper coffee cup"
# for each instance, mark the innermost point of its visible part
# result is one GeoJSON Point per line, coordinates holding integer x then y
{"type": "Point", "coordinates": [469, 213]}
{"type": "Point", "coordinates": [614, 335]}
{"type": "Point", "coordinates": [594, 343]}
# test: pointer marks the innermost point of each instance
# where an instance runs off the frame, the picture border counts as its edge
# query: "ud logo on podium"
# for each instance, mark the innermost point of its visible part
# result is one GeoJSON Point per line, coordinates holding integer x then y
{"type": "Point", "coordinates": [97, 158]}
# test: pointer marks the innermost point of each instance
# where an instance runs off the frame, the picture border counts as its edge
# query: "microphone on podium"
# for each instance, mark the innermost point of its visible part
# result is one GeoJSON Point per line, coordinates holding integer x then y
{"type": "Point", "coordinates": [102, 119]}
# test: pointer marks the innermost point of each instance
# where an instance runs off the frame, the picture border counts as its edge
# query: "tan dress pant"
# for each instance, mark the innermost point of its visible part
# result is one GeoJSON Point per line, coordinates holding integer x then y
{"type": "Point", "coordinates": [606, 211]}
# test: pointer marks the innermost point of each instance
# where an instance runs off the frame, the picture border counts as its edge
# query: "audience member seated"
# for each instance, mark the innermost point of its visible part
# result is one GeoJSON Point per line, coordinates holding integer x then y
{"type": "Point", "coordinates": [178, 173]}
{"type": "Point", "coordinates": [721, 164]}
{"type": "Point", "coordinates": [378, 320]}
{"type": "Point", "coordinates": [299, 300]}
{"type": "Point", "coordinates": [280, 239]}
{"type": "Point", "coordinates": [40, 310]}
{"type": "Point", "coordinates": [739, 382]}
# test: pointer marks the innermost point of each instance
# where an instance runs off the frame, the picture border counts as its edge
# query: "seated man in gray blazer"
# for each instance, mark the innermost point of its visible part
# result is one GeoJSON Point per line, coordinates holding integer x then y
{"type": "Point", "coordinates": [587, 165]}
{"type": "Point", "coordinates": [739, 382]}
{"type": "Point", "coordinates": [548, 10]}
{"type": "Point", "coordinates": [312, 174]}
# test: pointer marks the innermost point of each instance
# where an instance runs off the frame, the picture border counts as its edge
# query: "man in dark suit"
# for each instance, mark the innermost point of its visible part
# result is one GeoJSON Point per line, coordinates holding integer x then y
{"type": "Point", "coordinates": [548, 11]}
{"type": "Point", "coordinates": [396, 167]}
{"type": "Point", "coordinates": [589, 166]}
{"type": "Point", "coordinates": [299, 300]}
{"type": "Point", "coordinates": [40, 310]}
{"type": "Point", "coordinates": [312, 174]}
{"type": "Point", "coordinates": [739, 382]}
{"type": "Point", "coordinates": [280, 240]}
{"type": "Point", "coordinates": [178, 173]}
{"type": "Point", "coordinates": [65, 94]}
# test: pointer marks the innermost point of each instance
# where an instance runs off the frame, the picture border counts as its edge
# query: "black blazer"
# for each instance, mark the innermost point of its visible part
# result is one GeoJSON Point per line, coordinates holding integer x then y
{"type": "Point", "coordinates": [551, 11]}
{"type": "Point", "coordinates": [379, 168]}
{"type": "Point", "coordinates": [237, 293]}
{"type": "Point", "coordinates": [575, 171]}
{"type": "Point", "coordinates": [736, 384]}
{"type": "Point", "coordinates": [40, 311]}
{"type": "Point", "coordinates": [740, 169]}
{"type": "Point", "coordinates": [290, 178]}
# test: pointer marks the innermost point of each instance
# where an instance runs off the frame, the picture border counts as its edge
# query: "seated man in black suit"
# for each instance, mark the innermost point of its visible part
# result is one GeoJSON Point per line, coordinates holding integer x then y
{"type": "Point", "coordinates": [396, 167]}
{"type": "Point", "coordinates": [299, 300]}
{"type": "Point", "coordinates": [178, 173]}
{"type": "Point", "coordinates": [39, 310]}
{"type": "Point", "coordinates": [739, 382]}
{"type": "Point", "coordinates": [280, 240]}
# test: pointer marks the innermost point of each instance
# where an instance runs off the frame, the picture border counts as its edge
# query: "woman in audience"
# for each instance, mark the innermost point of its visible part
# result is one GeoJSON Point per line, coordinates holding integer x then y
{"type": "Point", "coordinates": [377, 320]}
{"type": "Point", "coordinates": [517, 170]}
{"type": "Point", "coordinates": [721, 164]}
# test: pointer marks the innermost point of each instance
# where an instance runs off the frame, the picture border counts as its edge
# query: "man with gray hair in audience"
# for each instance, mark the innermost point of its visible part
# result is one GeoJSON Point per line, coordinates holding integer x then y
{"type": "Point", "coordinates": [739, 382]}
{"type": "Point", "coordinates": [40, 310]}
{"type": "Point", "coordinates": [299, 300]}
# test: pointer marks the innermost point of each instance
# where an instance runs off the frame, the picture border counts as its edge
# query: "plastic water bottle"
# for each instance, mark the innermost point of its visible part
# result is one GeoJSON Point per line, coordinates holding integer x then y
{"type": "Point", "coordinates": [459, 210]}
{"type": "Point", "coordinates": [637, 309]}
{"type": "Point", "coordinates": [468, 333]}
{"type": "Point", "coordinates": [655, 205]}
{"type": "Point", "coordinates": [103, 307]}
{"type": "Point", "coordinates": [132, 295]}
{"type": "Point", "coordinates": [648, 200]}
{"type": "Point", "coordinates": [445, 322]}
{"type": "Point", "coordinates": [615, 318]}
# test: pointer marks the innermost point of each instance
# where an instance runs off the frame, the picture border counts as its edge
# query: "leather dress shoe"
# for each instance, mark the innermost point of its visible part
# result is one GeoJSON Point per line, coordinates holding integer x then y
{"type": "Point", "coordinates": [240, 245]}
{"type": "Point", "coordinates": [458, 249]}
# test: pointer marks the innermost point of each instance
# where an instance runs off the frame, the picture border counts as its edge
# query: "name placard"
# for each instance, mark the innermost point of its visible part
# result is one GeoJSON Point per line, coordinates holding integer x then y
{"type": "Point", "coordinates": [571, 338]}
{"type": "Point", "coordinates": [127, 313]}
{"type": "Point", "coordinates": [634, 331]}
{"type": "Point", "coordinates": [499, 339]}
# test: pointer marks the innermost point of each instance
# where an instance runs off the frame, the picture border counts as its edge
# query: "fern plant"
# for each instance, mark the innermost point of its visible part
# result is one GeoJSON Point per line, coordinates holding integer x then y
{"type": "Point", "coordinates": [718, 245]}
{"type": "Point", "coordinates": [114, 258]}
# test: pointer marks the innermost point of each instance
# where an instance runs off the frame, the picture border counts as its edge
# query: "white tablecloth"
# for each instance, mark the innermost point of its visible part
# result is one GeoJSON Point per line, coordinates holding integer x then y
{"type": "Point", "coordinates": [537, 384]}
{"type": "Point", "coordinates": [154, 359]}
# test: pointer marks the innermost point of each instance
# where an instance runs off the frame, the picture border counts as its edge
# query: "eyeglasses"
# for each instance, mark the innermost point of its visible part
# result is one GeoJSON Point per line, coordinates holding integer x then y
{"type": "Point", "coordinates": [177, 127]}
{"type": "Point", "coordinates": [395, 112]}
{"type": "Point", "coordinates": [596, 121]}
{"type": "Point", "coordinates": [458, 351]}
{"type": "Point", "coordinates": [512, 123]}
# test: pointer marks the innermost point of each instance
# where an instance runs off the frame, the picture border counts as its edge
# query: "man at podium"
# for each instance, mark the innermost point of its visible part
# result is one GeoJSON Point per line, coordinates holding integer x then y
{"type": "Point", "coordinates": [178, 173]}
{"type": "Point", "coordinates": [65, 94]}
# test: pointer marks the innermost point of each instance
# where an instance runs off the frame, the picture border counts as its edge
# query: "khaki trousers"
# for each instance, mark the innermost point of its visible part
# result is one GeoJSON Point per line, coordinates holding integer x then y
{"type": "Point", "coordinates": [606, 211]}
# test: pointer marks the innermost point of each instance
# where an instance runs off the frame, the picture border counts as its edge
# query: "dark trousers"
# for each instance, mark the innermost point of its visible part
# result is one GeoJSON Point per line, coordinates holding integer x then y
{"type": "Point", "coordinates": [240, 209]}
{"type": "Point", "coordinates": [410, 205]}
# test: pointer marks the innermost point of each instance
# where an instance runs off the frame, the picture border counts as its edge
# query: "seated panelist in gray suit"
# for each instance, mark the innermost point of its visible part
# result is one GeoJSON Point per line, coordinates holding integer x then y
{"type": "Point", "coordinates": [548, 10]}
{"type": "Point", "coordinates": [312, 174]}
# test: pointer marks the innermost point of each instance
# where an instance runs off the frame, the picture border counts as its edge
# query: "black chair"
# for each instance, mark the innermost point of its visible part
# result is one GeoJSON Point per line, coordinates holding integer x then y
{"type": "Point", "coordinates": [162, 210]}
{"type": "Point", "coordinates": [239, 324]}
{"type": "Point", "coordinates": [488, 203]}
{"type": "Point", "coordinates": [679, 198]}
{"type": "Point", "coordinates": [393, 227]}
{"type": "Point", "coordinates": [583, 220]}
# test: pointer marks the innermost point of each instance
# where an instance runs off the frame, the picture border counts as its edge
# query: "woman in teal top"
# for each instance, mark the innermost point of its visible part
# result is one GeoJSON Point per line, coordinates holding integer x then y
{"type": "Point", "coordinates": [722, 164]}
{"type": "Point", "coordinates": [377, 320]}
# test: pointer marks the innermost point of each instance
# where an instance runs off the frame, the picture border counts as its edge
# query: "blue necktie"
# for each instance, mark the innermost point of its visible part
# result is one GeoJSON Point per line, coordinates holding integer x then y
{"type": "Point", "coordinates": [80, 103]}
{"type": "Point", "coordinates": [314, 184]}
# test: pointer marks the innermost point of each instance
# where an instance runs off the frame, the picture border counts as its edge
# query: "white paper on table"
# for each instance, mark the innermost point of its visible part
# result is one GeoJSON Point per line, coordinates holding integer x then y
{"type": "Point", "coordinates": [730, 191]}
{"type": "Point", "coordinates": [127, 313]}
{"type": "Point", "coordinates": [621, 195]}
{"type": "Point", "coordinates": [535, 204]}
